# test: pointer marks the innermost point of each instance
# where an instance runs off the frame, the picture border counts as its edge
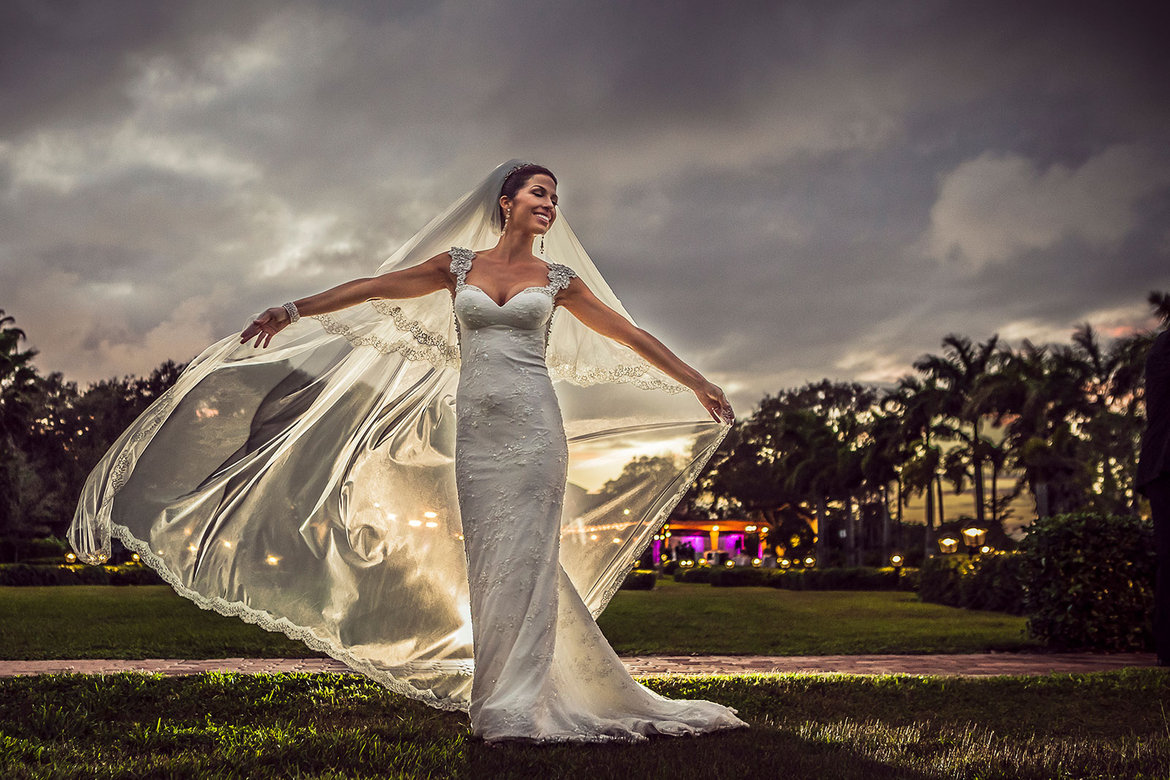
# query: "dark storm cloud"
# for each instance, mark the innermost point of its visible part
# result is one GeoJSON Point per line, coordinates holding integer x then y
{"type": "Point", "coordinates": [781, 191]}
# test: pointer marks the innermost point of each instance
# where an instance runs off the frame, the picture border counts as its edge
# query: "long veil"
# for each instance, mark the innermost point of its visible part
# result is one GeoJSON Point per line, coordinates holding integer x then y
{"type": "Point", "coordinates": [309, 488]}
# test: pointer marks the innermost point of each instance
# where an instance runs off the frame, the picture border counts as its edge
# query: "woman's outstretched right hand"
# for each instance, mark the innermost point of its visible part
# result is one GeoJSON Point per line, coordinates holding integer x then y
{"type": "Point", "coordinates": [264, 327]}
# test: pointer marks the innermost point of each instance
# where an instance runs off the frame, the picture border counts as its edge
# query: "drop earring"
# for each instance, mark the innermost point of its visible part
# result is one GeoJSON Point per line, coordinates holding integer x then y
{"type": "Point", "coordinates": [542, 244]}
{"type": "Point", "coordinates": [507, 216]}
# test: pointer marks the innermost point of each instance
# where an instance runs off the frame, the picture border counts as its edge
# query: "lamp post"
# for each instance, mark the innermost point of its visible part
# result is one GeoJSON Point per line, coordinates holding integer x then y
{"type": "Point", "coordinates": [897, 561]}
{"type": "Point", "coordinates": [974, 537]}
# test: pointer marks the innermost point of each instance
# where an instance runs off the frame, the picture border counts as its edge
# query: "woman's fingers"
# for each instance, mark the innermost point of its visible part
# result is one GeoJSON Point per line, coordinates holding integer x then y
{"type": "Point", "coordinates": [263, 328]}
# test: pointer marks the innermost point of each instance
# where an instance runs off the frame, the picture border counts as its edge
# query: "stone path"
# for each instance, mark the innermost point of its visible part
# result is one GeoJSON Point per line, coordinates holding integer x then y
{"type": "Point", "coordinates": [968, 665]}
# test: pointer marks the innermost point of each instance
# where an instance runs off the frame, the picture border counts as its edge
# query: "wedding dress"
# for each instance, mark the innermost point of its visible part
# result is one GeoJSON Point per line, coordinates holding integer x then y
{"type": "Point", "coordinates": [400, 486]}
{"type": "Point", "coordinates": [543, 670]}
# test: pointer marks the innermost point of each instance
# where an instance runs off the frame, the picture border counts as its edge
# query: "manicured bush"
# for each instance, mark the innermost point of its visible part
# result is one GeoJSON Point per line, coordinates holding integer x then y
{"type": "Point", "coordinates": [696, 574]}
{"type": "Point", "coordinates": [938, 579]}
{"type": "Point", "coordinates": [1090, 581]}
{"type": "Point", "coordinates": [841, 578]}
{"type": "Point", "coordinates": [993, 581]}
{"type": "Point", "coordinates": [989, 581]}
{"type": "Point", "coordinates": [24, 574]}
{"type": "Point", "coordinates": [741, 576]}
{"type": "Point", "coordinates": [640, 579]}
{"type": "Point", "coordinates": [670, 567]}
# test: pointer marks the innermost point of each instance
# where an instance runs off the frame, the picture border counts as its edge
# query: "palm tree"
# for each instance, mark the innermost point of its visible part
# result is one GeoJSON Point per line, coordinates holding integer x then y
{"type": "Point", "coordinates": [958, 372]}
{"type": "Point", "coordinates": [918, 403]}
{"type": "Point", "coordinates": [18, 380]}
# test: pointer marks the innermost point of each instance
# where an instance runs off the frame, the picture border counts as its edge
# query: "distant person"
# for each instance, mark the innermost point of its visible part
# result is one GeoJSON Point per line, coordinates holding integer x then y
{"type": "Point", "coordinates": [1153, 477]}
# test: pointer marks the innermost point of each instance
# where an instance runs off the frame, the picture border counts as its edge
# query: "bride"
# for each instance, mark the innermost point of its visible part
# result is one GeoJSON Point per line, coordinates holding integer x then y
{"type": "Point", "coordinates": [308, 487]}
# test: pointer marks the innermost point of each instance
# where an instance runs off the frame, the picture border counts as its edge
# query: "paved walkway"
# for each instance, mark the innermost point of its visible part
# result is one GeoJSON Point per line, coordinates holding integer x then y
{"type": "Point", "coordinates": [969, 665]}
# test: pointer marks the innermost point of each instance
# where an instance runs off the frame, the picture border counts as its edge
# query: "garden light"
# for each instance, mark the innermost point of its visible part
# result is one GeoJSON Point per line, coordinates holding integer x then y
{"type": "Point", "coordinates": [70, 557]}
{"type": "Point", "coordinates": [785, 563]}
{"type": "Point", "coordinates": [729, 564]}
{"type": "Point", "coordinates": [948, 544]}
{"type": "Point", "coordinates": [809, 562]}
{"type": "Point", "coordinates": [897, 560]}
{"type": "Point", "coordinates": [756, 561]}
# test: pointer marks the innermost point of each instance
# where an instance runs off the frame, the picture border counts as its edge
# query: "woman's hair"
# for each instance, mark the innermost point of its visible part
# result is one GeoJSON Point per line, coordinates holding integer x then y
{"type": "Point", "coordinates": [516, 179]}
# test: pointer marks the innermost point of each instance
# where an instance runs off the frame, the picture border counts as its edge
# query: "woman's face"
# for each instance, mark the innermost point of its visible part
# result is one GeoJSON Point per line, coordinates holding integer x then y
{"type": "Point", "coordinates": [534, 208]}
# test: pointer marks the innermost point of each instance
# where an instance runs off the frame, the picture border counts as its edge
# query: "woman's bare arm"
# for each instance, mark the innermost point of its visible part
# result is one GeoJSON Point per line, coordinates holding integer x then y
{"type": "Point", "coordinates": [418, 280]}
{"type": "Point", "coordinates": [594, 314]}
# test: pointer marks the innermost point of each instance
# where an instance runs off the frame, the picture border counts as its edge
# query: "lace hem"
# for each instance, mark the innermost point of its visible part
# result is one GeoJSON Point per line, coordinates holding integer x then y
{"type": "Point", "coordinates": [656, 524]}
{"type": "Point", "coordinates": [288, 628]}
{"type": "Point", "coordinates": [683, 729]}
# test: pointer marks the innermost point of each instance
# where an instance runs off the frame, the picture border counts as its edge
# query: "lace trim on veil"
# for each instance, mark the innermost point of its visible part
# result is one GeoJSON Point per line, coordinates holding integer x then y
{"type": "Point", "coordinates": [284, 626]}
{"type": "Point", "coordinates": [426, 345]}
{"type": "Point", "coordinates": [655, 526]}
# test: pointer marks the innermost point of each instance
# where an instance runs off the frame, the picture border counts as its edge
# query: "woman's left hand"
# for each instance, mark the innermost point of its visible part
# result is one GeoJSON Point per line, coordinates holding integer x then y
{"type": "Point", "coordinates": [713, 400]}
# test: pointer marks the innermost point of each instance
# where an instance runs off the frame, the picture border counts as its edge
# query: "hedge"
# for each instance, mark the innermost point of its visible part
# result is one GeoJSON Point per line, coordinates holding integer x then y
{"type": "Point", "coordinates": [855, 578]}
{"type": "Point", "coordinates": [640, 579]}
{"type": "Point", "coordinates": [992, 581]}
{"type": "Point", "coordinates": [22, 574]}
{"type": "Point", "coordinates": [1090, 581]}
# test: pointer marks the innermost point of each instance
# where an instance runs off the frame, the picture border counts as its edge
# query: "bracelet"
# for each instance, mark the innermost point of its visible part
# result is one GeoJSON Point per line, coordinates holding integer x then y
{"type": "Point", "coordinates": [293, 314]}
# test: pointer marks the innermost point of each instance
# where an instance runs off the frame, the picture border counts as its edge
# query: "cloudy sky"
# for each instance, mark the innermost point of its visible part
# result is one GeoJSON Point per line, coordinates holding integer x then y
{"type": "Point", "coordinates": [781, 191]}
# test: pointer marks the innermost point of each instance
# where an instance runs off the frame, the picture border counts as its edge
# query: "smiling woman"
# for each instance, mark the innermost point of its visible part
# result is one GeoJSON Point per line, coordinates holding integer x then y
{"type": "Point", "coordinates": [390, 481]}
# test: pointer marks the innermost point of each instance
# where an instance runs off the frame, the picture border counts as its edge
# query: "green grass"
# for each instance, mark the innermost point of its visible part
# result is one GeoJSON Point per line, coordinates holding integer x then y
{"type": "Point", "coordinates": [94, 621]}
{"type": "Point", "coordinates": [679, 618]}
{"type": "Point", "coordinates": [1111, 724]}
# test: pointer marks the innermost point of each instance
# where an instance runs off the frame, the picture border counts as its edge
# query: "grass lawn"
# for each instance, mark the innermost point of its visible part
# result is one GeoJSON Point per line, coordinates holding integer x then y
{"type": "Point", "coordinates": [93, 621]}
{"type": "Point", "coordinates": [1110, 724]}
{"type": "Point", "coordinates": [681, 618]}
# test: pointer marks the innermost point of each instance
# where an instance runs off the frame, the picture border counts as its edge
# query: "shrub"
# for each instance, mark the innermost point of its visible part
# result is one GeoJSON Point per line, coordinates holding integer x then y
{"type": "Point", "coordinates": [938, 579]}
{"type": "Point", "coordinates": [697, 574]}
{"type": "Point", "coordinates": [1090, 581]}
{"type": "Point", "coordinates": [993, 581]}
{"type": "Point", "coordinates": [640, 579]}
{"type": "Point", "coordinates": [670, 567]}
{"type": "Point", "coordinates": [843, 578]}
{"type": "Point", "coordinates": [990, 581]}
{"type": "Point", "coordinates": [741, 576]}
{"type": "Point", "coordinates": [24, 574]}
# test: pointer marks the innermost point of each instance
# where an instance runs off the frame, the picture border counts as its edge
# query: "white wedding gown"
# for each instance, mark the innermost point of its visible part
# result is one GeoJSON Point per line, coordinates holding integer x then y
{"type": "Point", "coordinates": [543, 669]}
{"type": "Point", "coordinates": [322, 487]}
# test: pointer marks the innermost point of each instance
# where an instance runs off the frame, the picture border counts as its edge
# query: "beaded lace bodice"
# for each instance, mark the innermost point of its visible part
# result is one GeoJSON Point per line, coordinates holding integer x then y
{"type": "Point", "coordinates": [531, 309]}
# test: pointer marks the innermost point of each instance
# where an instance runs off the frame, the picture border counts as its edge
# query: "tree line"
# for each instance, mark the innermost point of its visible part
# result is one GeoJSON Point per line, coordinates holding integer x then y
{"type": "Point", "coordinates": [1061, 422]}
{"type": "Point", "coordinates": [52, 433]}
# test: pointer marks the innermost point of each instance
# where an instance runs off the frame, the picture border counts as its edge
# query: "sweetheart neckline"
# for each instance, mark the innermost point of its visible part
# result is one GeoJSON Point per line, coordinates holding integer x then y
{"type": "Point", "coordinates": [505, 303]}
